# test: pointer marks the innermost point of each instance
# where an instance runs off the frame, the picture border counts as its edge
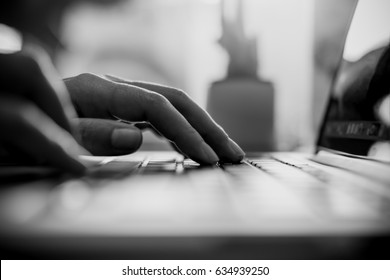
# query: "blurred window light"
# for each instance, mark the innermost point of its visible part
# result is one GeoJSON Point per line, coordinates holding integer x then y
{"type": "Point", "coordinates": [370, 15]}
{"type": "Point", "coordinates": [10, 39]}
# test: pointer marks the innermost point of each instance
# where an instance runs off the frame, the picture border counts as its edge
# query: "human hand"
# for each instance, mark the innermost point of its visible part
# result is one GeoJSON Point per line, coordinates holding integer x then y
{"type": "Point", "coordinates": [100, 102]}
{"type": "Point", "coordinates": [34, 114]}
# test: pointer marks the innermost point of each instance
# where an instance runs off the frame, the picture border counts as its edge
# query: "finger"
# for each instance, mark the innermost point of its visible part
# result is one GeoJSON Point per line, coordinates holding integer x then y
{"type": "Point", "coordinates": [211, 132]}
{"type": "Point", "coordinates": [27, 128]}
{"type": "Point", "coordinates": [23, 76]}
{"type": "Point", "coordinates": [101, 98]}
{"type": "Point", "coordinates": [108, 137]}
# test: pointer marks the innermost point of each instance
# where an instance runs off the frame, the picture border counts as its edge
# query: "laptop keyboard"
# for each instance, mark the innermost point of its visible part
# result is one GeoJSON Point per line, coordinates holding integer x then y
{"type": "Point", "coordinates": [301, 174]}
{"type": "Point", "coordinates": [288, 171]}
{"type": "Point", "coordinates": [274, 167]}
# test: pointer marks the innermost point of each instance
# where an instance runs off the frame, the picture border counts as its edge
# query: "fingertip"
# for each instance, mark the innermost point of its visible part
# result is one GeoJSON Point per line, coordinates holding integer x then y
{"type": "Point", "coordinates": [207, 155]}
{"type": "Point", "coordinates": [232, 152]}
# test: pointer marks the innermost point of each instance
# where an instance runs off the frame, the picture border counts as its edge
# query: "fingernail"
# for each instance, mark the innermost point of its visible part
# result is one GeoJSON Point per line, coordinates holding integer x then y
{"type": "Point", "coordinates": [208, 154]}
{"type": "Point", "coordinates": [236, 150]}
{"type": "Point", "coordinates": [125, 139]}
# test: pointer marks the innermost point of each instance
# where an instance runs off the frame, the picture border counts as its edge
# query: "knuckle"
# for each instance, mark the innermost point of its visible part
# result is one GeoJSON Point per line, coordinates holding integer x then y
{"type": "Point", "coordinates": [177, 95]}
{"type": "Point", "coordinates": [85, 77]}
{"type": "Point", "coordinates": [181, 94]}
{"type": "Point", "coordinates": [155, 99]}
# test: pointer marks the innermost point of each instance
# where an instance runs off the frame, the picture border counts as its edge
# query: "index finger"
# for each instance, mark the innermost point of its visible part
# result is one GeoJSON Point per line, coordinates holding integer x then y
{"type": "Point", "coordinates": [211, 132]}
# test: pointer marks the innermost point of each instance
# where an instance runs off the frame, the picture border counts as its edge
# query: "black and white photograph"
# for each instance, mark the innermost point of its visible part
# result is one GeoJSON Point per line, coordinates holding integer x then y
{"type": "Point", "coordinates": [195, 130]}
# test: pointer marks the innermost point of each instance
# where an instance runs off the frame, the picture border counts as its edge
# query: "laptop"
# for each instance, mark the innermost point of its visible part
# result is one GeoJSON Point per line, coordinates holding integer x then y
{"type": "Point", "coordinates": [329, 205]}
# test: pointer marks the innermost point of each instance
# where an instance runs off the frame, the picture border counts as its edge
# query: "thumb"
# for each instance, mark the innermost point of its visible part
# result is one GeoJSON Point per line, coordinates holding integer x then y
{"type": "Point", "coordinates": [108, 137]}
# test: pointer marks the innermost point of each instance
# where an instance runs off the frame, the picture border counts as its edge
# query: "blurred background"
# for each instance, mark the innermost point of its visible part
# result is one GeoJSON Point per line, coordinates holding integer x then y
{"type": "Point", "coordinates": [295, 45]}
